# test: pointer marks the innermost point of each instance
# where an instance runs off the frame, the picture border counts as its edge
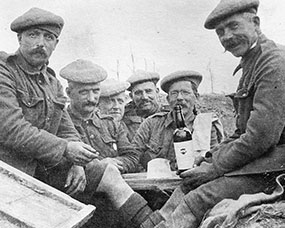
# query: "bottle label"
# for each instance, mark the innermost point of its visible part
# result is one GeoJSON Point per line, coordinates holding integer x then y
{"type": "Point", "coordinates": [185, 156]}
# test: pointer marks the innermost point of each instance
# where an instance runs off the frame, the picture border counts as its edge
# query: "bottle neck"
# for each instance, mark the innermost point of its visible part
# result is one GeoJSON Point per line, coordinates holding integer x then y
{"type": "Point", "coordinates": [179, 118]}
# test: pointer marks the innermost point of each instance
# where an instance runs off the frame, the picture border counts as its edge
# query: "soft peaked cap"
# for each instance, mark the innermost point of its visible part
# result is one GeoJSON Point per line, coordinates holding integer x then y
{"type": "Point", "coordinates": [83, 71]}
{"type": "Point", "coordinates": [111, 87]}
{"type": "Point", "coordinates": [40, 18]}
{"type": "Point", "coordinates": [140, 76]}
{"type": "Point", "coordinates": [227, 8]}
{"type": "Point", "coordinates": [191, 76]}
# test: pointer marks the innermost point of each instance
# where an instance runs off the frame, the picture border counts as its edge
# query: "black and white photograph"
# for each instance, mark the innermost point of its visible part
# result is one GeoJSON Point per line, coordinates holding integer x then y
{"type": "Point", "coordinates": [142, 114]}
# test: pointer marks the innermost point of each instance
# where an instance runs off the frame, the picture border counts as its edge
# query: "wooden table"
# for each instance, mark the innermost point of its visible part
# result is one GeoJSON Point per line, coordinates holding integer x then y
{"type": "Point", "coordinates": [28, 203]}
{"type": "Point", "coordinates": [138, 181]}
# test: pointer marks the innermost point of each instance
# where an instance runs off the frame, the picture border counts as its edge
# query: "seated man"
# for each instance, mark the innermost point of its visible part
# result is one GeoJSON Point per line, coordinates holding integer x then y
{"type": "Point", "coordinates": [113, 99]}
{"type": "Point", "coordinates": [154, 138]}
{"type": "Point", "coordinates": [98, 130]}
{"type": "Point", "coordinates": [36, 131]}
{"type": "Point", "coordinates": [145, 99]}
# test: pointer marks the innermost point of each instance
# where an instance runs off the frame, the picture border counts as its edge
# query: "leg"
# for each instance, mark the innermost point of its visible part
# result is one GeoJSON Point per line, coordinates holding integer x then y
{"type": "Point", "coordinates": [132, 207]}
{"type": "Point", "coordinates": [196, 203]}
{"type": "Point", "coordinates": [172, 202]}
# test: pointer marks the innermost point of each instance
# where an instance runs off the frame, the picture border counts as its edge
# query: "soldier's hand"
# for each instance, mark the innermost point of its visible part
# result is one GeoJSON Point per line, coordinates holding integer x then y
{"type": "Point", "coordinates": [193, 178]}
{"type": "Point", "coordinates": [80, 153]}
{"type": "Point", "coordinates": [115, 162]}
{"type": "Point", "coordinates": [75, 181]}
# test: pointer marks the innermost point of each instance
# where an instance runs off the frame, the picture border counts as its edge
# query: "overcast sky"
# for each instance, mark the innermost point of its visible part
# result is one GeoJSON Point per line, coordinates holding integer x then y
{"type": "Point", "coordinates": [162, 35]}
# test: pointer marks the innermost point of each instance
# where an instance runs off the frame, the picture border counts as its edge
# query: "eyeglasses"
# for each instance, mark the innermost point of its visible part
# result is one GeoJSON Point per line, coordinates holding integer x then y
{"type": "Point", "coordinates": [184, 93]}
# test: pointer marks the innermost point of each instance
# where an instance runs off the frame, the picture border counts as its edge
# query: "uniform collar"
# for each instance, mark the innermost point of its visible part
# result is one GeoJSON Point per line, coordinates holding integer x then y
{"type": "Point", "coordinates": [252, 52]}
{"type": "Point", "coordinates": [77, 120]}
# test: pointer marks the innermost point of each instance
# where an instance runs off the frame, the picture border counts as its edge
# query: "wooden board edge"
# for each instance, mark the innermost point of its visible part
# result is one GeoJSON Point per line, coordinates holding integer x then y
{"type": "Point", "coordinates": [80, 218]}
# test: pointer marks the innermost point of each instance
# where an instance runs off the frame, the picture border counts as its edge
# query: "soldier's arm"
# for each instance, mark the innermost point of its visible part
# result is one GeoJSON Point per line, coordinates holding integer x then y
{"type": "Point", "coordinates": [127, 153]}
{"type": "Point", "coordinates": [266, 121]}
{"type": "Point", "coordinates": [18, 134]}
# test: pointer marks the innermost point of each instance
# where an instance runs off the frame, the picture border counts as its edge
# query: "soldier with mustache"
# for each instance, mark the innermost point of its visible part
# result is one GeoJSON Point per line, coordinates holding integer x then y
{"type": "Point", "coordinates": [154, 137]}
{"type": "Point", "coordinates": [36, 131]}
{"type": "Point", "coordinates": [145, 99]}
{"type": "Point", "coordinates": [98, 130]}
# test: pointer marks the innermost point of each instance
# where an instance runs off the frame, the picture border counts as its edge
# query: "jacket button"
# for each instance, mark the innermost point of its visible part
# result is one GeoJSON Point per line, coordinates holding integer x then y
{"type": "Point", "coordinates": [92, 136]}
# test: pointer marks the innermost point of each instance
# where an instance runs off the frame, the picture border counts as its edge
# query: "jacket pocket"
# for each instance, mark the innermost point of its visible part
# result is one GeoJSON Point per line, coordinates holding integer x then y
{"type": "Point", "coordinates": [32, 106]}
{"type": "Point", "coordinates": [110, 142]}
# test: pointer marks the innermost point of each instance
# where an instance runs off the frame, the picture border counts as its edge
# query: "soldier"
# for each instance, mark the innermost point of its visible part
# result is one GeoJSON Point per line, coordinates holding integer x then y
{"type": "Point", "coordinates": [249, 161]}
{"type": "Point", "coordinates": [145, 99]}
{"type": "Point", "coordinates": [154, 138]}
{"type": "Point", "coordinates": [113, 98]}
{"type": "Point", "coordinates": [98, 130]}
{"type": "Point", "coordinates": [36, 130]}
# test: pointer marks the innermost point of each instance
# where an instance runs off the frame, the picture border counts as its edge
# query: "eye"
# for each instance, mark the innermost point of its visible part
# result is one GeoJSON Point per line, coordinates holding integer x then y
{"type": "Point", "coordinates": [120, 101]}
{"type": "Point", "coordinates": [174, 93]}
{"type": "Point", "coordinates": [96, 91]}
{"type": "Point", "coordinates": [49, 37]}
{"type": "Point", "coordinates": [149, 91]}
{"type": "Point", "coordinates": [138, 93]}
{"type": "Point", "coordinates": [185, 93]}
{"type": "Point", "coordinates": [233, 26]}
{"type": "Point", "coordinates": [32, 35]}
{"type": "Point", "coordinates": [83, 92]}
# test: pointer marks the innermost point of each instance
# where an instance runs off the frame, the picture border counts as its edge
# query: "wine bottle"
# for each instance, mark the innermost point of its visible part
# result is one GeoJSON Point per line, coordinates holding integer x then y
{"type": "Point", "coordinates": [183, 144]}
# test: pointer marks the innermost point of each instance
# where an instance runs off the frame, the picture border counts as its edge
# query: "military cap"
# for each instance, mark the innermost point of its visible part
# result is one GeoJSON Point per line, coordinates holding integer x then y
{"type": "Point", "coordinates": [191, 76]}
{"type": "Point", "coordinates": [227, 8]}
{"type": "Point", "coordinates": [140, 76]}
{"type": "Point", "coordinates": [83, 71]}
{"type": "Point", "coordinates": [36, 17]}
{"type": "Point", "coordinates": [112, 87]}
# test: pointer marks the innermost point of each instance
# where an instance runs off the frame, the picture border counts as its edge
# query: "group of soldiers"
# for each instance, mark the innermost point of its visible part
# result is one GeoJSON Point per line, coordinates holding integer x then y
{"type": "Point", "coordinates": [84, 148]}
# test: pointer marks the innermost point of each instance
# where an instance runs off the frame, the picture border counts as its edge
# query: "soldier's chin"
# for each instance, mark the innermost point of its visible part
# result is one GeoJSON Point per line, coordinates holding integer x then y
{"type": "Point", "coordinates": [116, 116]}
{"type": "Point", "coordinates": [147, 105]}
{"type": "Point", "coordinates": [89, 108]}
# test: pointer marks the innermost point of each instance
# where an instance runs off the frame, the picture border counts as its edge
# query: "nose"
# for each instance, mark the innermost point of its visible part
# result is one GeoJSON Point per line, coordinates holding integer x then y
{"type": "Point", "coordinates": [115, 104]}
{"type": "Point", "coordinates": [144, 95]}
{"type": "Point", "coordinates": [91, 96]}
{"type": "Point", "coordinates": [227, 35]}
{"type": "Point", "coordinates": [40, 41]}
{"type": "Point", "coordinates": [179, 96]}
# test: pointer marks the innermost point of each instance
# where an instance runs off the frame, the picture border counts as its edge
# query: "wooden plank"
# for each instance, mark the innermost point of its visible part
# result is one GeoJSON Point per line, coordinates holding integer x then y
{"type": "Point", "coordinates": [139, 181]}
{"type": "Point", "coordinates": [28, 203]}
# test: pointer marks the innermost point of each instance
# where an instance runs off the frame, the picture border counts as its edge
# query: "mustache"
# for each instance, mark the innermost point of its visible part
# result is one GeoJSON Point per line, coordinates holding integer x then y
{"type": "Point", "coordinates": [90, 103]}
{"type": "Point", "coordinates": [144, 100]}
{"type": "Point", "coordinates": [39, 50]}
{"type": "Point", "coordinates": [234, 41]}
{"type": "Point", "coordinates": [183, 105]}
